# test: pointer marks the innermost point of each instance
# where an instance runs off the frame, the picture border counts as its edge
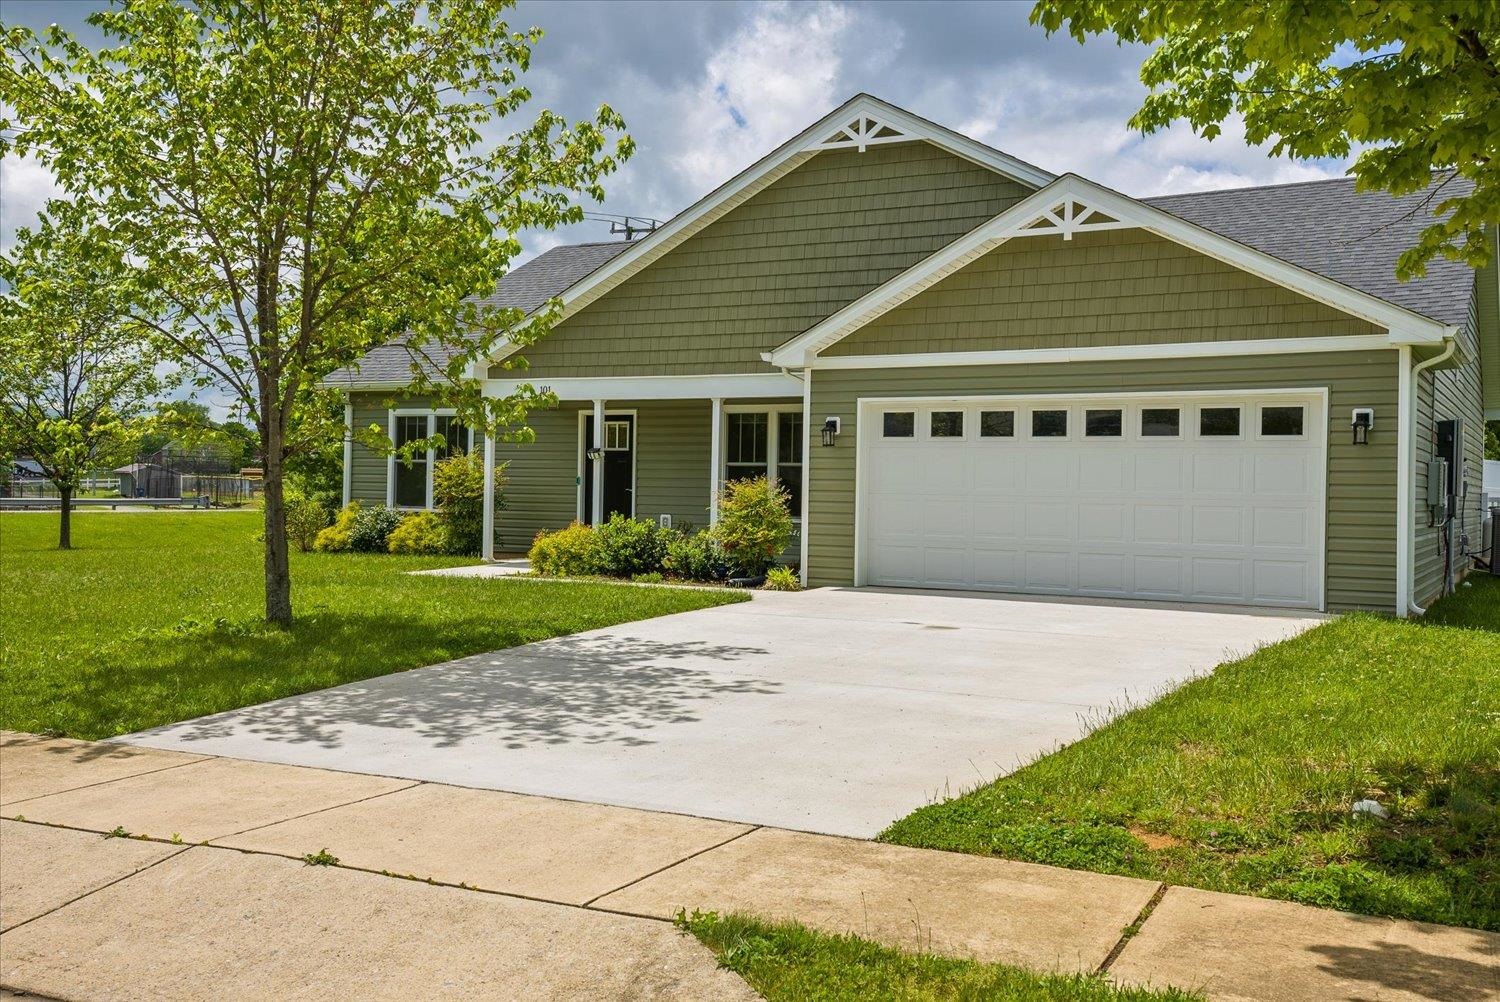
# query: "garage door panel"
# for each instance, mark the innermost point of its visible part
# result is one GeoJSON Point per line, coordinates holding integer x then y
{"type": "Point", "coordinates": [1187, 517]}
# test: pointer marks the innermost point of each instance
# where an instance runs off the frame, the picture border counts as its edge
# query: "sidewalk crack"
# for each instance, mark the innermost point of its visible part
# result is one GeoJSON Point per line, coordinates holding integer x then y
{"type": "Point", "coordinates": [661, 869]}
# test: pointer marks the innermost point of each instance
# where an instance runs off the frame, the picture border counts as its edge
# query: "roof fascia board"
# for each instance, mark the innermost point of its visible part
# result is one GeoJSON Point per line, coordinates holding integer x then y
{"type": "Point", "coordinates": [1404, 326]}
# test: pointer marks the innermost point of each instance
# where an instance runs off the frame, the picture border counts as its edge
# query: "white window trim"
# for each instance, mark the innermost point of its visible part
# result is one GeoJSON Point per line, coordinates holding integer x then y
{"type": "Point", "coordinates": [582, 513]}
{"type": "Point", "coordinates": [432, 414]}
{"type": "Point", "coordinates": [773, 433]}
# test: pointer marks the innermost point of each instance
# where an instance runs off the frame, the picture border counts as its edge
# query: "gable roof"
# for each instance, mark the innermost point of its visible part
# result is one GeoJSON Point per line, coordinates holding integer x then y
{"type": "Point", "coordinates": [524, 288]}
{"type": "Point", "coordinates": [1073, 204]}
{"type": "Point", "coordinates": [1351, 237]}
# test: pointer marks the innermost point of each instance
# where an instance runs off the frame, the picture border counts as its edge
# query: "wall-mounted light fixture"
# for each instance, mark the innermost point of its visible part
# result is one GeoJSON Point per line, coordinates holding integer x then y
{"type": "Point", "coordinates": [1360, 425]}
{"type": "Point", "coordinates": [831, 427]}
{"type": "Point", "coordinates": [595, 454]}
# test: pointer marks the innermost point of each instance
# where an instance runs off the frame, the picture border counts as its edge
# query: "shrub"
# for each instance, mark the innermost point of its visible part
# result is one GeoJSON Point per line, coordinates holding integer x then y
{"type": "Point", "coordinates": [629, 546]}
{"type": "Point", "coordinates": [337, 538]}
{"type": "Point", "coordinates": [458, 493]}
{"type": "Point", "coordinates": [654, 577]}
{"type": "Point", "coordinates": [782, 579]}
{"type": "Point", "coordinates": [305, 520]}
{"type": "Point", "coordinates": [571, 552]}
{"type": "Point", "coordinates": [423, 533]}
{"type": "Point", "coordinates": [755, 524]}
{"type": "Point", "coordinates": [694, 556]}
{"type": "Point", "coordinates": [372, 528]}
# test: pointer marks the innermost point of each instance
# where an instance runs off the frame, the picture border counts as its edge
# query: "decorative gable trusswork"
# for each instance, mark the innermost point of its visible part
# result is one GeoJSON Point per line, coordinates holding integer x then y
{"type": "Point", "coordinates": [1067, 217]}
{"type": "Point", "coordinates": [864, 131]}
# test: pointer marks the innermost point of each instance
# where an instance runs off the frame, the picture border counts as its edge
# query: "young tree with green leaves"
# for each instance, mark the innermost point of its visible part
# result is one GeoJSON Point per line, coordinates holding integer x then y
{"type": "Point", "coordinates": [1413, 87]}
{"type": "Point", "coordinates": [300, 181]}
{"type": "Point", "coordinates": [74, 366]}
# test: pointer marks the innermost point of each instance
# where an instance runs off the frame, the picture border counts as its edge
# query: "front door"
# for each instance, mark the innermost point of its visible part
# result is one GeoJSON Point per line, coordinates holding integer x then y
{"type": "Point", "coordinates": [619, 467]}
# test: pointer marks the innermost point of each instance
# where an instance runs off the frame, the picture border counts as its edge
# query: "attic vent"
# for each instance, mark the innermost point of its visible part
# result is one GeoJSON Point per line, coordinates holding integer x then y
{"type": "Point", "coordinates": [863, 131]}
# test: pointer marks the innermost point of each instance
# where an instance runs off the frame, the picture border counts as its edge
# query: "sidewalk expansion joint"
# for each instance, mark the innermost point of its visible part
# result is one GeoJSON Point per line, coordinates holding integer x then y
{"type": "Point", "coordinates": [662, 869]}
{"type": "Point", "coordinates": [96, 890]}
{"type": "Point", "coordinates": [320, 810]}
{"type": "Point", "coordinates": [1130, 931]}
{"type": "Point", "coordinates": [105, 782]}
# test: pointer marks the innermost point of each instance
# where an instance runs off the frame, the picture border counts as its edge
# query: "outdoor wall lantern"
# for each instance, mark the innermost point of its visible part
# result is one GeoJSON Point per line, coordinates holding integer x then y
{"type": "Point", "coordinates": [1363, 421]}
{"type": "Point", "coordinates": [830, 430]}
{"type": "Point", "coordinates": [595, 454]}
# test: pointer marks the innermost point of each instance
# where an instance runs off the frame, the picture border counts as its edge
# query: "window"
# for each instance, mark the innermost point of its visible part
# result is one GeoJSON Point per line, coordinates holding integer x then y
{"type": "Point", "coordinates": [1160, 422]}
{"type": "Point", "coordinates": [899, 424]}
{"type": "Point", "coordinates": [1281, 421]}
{"type": "Point", "coordinates": [411, 477]}
{"type": "Point", "coordinates": [997, 424]}
{"type": "Point", "coordinates": [455, 434]}
{"type": "Point", "coordinates": [1219, 421]}
{"type": "Point", "coordinates": [1049, 424]}
{"type": "Point", "coordinates": [1103, 423]}
{"type": "Point", "coordinates": [947, 424]}
{"type": "Point", "coordinates": [789, 439]}
{"type": "Point", "coordinates": [747, 451]}
{"type": "Point", "coordinates": [616, 436]}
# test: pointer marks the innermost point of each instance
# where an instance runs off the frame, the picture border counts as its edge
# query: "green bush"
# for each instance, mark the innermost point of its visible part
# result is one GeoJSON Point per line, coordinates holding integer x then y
{"type": "Point", "coordinates": [694, 556]}
{"type": "Point", "coordinates": [306, 518]}
{"type": "Point", "coordinates": [458, 493]}
{"type": "Point", "coordinates": [630, 546]}
{"type": "Point", "coordinates": [337, 538]}
{"type": "Point", "coordinates": [755, 524]}
{"type": "Point", "coordinates": [372, 528]}
{"type": "Point", "coordinates": [570, 552]}
{"type": "Point", "coordinates": [653, 577]}
{"type": "Point", "coordinates": [423, 533]}
{"type": "Point", "coordinates": [782, 579]}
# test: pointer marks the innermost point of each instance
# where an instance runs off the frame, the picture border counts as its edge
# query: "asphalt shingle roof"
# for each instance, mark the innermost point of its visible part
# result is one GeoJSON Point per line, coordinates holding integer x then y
{"type": "Point", "coordinates": [1351, 237]}
{"type": "Point", "coordinates": [525, 288]}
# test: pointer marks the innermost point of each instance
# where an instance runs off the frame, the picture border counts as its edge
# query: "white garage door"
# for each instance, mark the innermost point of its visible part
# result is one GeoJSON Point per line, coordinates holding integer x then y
{"type": "Point", "coordinates": [1202, 498]}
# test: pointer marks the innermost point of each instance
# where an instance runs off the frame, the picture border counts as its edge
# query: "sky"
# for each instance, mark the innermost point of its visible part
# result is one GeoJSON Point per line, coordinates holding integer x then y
{"type": "Point", "coordinates": [707, 88]}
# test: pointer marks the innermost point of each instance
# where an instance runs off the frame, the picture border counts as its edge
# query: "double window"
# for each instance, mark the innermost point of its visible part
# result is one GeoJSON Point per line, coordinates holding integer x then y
{"type": "Point", "coordinates": [766, 444]}
{"type": "Point", "coordinates": [411, 480]}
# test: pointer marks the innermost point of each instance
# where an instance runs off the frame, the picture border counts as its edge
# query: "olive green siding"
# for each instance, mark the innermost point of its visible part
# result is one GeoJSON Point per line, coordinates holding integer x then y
{"type": "Point", "coordinates": [1107, 288]}
{"type": "Point", "coordinates": [541, 488]}
{"type": "Point", "coordinates": [1455, 393]}
{"type": "Point", "coordinates": [810, 243]}
{"type": "Point", "coordinates": [370, 469]}
{"type": "Point", "coordinates": [1361, 551]}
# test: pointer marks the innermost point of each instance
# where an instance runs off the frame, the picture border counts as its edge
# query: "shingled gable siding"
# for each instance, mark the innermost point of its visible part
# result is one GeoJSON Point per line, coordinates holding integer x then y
{"type": "Point", "coordinates": [1361, 539]}
{"type": "Point", "coordinates": [1099, 289]}
{"type": "Point", "coordinates": [813, 241]}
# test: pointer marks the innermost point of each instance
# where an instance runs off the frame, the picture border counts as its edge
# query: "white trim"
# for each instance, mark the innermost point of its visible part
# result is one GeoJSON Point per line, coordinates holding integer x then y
{"type": "Point", "coordinates": [1403, 325]}
{"type": "Point", "coordinates": [864, 408]}
{"type": "Point", "coordinates": [596, 501]}
{"type": "Point", "coordinates": [1406, 532]}
{"type": "Point", "coordinates": [779, 162]}
{"type": "Point", "coordinates": [1107, 353]}
{"type": "Point", "coordinates": [773, 446]}
{"type": "Point", "coordinates": [715, 456]}
{"type": "Point", "coordinates": [635, 454]}
{"type": "Point", "coordinates": [744, 384]}
{"type": "Point", "coordinates": [806, 473]}
{"type": "Point", "coordinates": [348, 452]}
{"type": "Point", "coordinates": [432, 414]}
{"type": "Point", "coordinates": [487, 533]}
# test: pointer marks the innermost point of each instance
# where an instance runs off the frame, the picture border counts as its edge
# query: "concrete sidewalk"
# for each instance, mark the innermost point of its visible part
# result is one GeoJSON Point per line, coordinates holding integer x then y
{"type": "Point", "coordinates": [516, 895]}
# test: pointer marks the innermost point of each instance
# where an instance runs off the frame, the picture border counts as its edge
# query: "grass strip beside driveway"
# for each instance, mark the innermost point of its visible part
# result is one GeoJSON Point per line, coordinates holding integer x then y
{"type": "Point", "coordinates": [787, 962]}
{"type": "Point", "coordinates": [156, 618]}
{"type": "Point", "coordinates": [1244, 781]}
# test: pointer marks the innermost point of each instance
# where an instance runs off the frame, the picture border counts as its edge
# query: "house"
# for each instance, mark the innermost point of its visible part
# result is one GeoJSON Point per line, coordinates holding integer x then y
{"type": "Point", "coordinates": [971, 373]}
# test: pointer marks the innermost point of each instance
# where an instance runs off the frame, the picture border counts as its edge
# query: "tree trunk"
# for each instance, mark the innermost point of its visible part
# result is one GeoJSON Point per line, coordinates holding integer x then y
{"type": "Point", "coordinates": [278, 573]}
{"type": "Point", "coordinates": [65, 524]}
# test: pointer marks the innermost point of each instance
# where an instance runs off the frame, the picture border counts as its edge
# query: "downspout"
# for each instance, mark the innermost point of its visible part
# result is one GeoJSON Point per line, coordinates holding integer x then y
{"type": "Point", "coordinates": [1406, 536]}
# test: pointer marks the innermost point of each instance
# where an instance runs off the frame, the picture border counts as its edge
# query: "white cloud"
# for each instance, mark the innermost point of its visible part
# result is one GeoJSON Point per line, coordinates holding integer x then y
{"type": "Point", "coordinates": [25, 186]}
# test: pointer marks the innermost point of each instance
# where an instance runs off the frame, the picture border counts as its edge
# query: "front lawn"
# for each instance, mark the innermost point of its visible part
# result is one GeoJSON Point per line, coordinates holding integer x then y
{"type": "Point", "coordinates": [1243, 781]}
{"type": "Point", "coordinates": [155, 618]}
{"type": "Point", "coordinates": [786, 962]}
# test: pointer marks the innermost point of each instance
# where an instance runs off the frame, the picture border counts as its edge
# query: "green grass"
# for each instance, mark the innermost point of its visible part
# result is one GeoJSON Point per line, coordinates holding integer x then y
{"type": "Point", "coordinates": [156, 618]}
{"type": "Point", "coordinates": [1243, 781]}
{"type": "Point", "coordinates": [786, 961]}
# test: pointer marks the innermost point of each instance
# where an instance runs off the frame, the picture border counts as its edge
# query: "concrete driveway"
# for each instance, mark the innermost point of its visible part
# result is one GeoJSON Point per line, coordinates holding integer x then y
{"type": "Point", "coordinates": [835, 710]}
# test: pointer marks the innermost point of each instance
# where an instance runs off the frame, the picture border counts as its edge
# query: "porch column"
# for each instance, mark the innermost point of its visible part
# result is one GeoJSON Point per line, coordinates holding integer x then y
{"type": "Point", "coordinates": [596, 504]}
{"type": "Point", "coordinates": [715, 458]}
{"type": "Point", "coordinates": [348, 449]}
{"type": "Point", "coordinates": [487, 537]}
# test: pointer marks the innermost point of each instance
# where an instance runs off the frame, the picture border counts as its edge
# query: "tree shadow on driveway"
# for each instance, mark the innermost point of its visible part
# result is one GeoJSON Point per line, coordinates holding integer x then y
{"type": "Point", "coordinates": [594, 690]}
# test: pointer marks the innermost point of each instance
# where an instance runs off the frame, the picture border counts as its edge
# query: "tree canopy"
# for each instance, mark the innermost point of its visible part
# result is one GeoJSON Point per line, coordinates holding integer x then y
{"type": "Point", "coordinates": [1412, 88]}
{"type": "Point", "coordinates": [300, 181]}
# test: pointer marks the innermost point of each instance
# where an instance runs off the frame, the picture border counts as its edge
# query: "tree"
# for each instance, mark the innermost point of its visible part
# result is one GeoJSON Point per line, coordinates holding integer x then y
{"type": "Point", "coordinates": [74, 369]}
{"type": "Point", "coordinates": [303, 180]}
{"type": "Point", "coordinates": [1414, 87]}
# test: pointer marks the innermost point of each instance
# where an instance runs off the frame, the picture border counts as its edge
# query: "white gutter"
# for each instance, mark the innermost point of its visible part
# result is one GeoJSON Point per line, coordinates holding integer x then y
{"type": "Point", "coordinates": [1406, 463]}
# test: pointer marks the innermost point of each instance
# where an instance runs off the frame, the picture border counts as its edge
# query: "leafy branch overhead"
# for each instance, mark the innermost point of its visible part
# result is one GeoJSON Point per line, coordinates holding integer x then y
{"type": "Point", "coordinates": [1412, 88]}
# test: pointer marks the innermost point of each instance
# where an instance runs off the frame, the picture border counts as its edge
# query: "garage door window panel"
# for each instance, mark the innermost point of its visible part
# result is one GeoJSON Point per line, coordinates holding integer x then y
{"type": "Point", "coordinates": [898, 424]}
{"type": "Point", "coordinates": [1049, 424]}
{"type": "Point", "coordinates": [1219, 422]}
{"type": "Point", "coordinates": [1104, 423]}
{"type": "Point", "coordinates": [1282, 422]}
{"type": "Point", "coordinates": [997, 424]}
{"type": "Point", "coordinates": [946, 424]}
{"type": "Point", "coordinates": [1161, 422]}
